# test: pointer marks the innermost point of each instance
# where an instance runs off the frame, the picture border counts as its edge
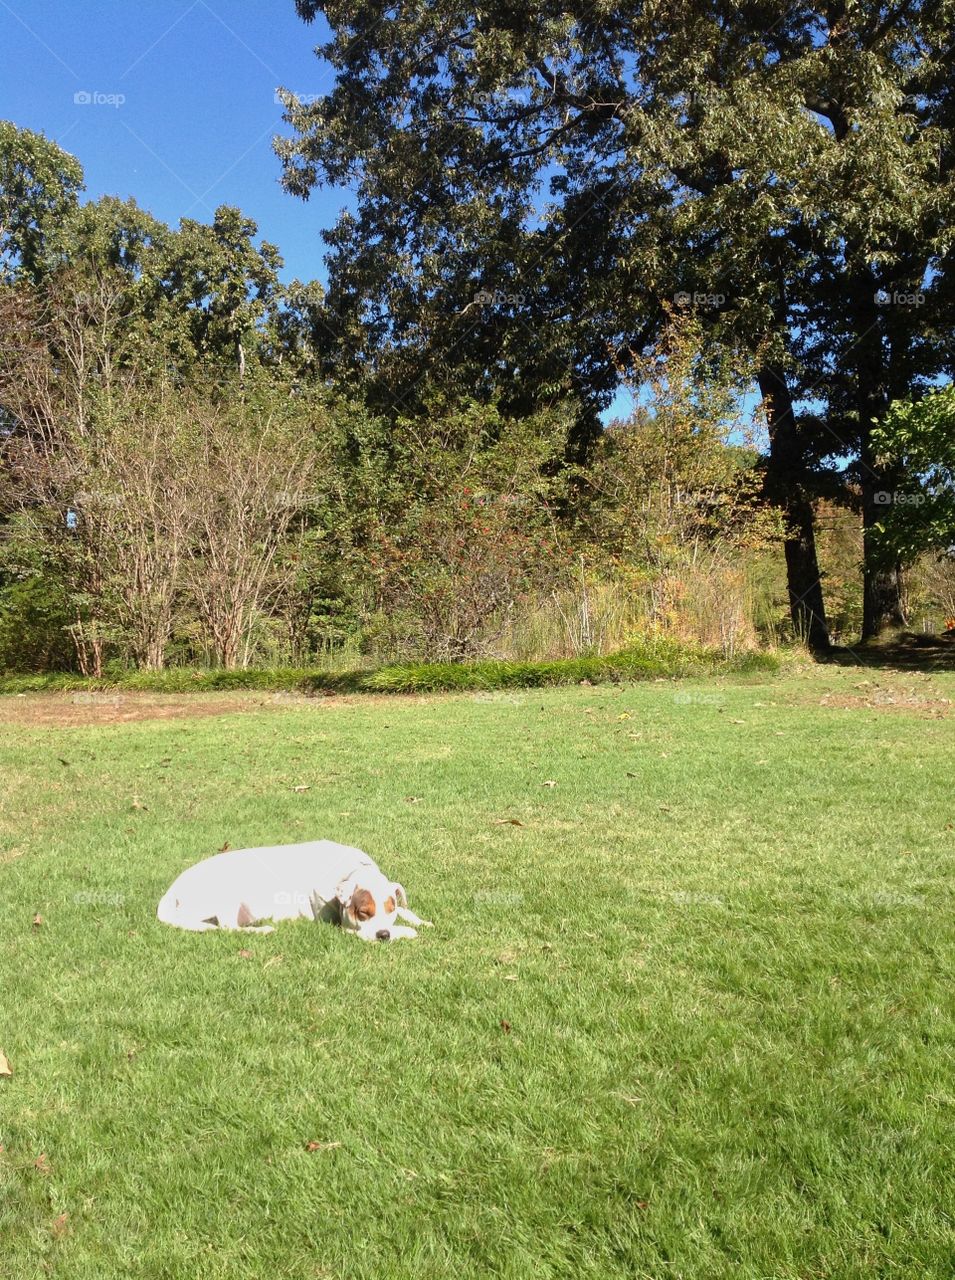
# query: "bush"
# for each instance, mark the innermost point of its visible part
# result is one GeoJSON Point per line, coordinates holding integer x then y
{"type": "Point", "coordinates": [34, 627]}
{"type": "Point", "coordinates": [658, 659]}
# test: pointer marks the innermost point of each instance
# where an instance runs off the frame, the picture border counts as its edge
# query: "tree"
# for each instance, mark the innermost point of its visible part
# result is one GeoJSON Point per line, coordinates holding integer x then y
{"type": "Point", "coordinates": [38, 187]}
{"type": "Point", "coordinates": [779, 171]}
{"type": "Point", "coordinates": [251, 476]}
{"type": "Point", "coordinates": [221, 285]}
{"type": "Point", "coordinates": [916, 440]}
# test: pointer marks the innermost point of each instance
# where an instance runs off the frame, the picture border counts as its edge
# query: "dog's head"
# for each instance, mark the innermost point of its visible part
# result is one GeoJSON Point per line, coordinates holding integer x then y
{"type": "Point", "coordinates": [369, 904]}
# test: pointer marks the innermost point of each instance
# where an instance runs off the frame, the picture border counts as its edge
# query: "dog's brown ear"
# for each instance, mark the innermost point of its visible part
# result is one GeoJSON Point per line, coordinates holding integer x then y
{"type": "Point", "coordinates": [400, 896]}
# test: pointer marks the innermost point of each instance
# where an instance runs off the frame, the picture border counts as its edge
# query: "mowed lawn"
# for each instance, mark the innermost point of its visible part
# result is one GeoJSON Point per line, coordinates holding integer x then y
{"type": "Point", "coordinates": [686, 1011]}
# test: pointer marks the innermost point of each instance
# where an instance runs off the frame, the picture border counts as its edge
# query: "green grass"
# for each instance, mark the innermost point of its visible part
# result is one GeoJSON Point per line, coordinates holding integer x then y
{"type": "Point", "coordinates": [693, 1018]}
{"type": "Point", "coordinates": [657, 658]}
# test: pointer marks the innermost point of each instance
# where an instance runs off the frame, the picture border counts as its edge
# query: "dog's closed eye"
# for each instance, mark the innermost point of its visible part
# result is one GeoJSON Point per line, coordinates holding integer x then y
{"type": "Point", "coordinates": [363, 905]}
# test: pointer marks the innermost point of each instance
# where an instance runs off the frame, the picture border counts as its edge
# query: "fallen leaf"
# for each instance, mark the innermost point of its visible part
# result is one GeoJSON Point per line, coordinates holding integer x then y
{"type": "Point", "coordinates": [245, 955]}
{"type": "Point", "coordinates": [641, 1204]}
{"type": "Point", "coordinates": [41, 1164]}
{"type": "Point", "coordinates": [737, 722]}
{"type": "Point", "coordinates": [5, 1068]}
{"type": "Point", "coordinates": [273, 960]}
{"type": "Point", "coordinates": [321, 1146]}
{"type": "Point", "coordinates": [631, 775]}
{"type": "Point", "coordinates": [63, 762]}
{"type": "Point", "coordinates": [225, 848]}
{"type": "Point", "coordinates": [510, 977]}
{"type": "Point", "coordinates": [412, 799]}
{"type": "Point", "coordinates": [505, 1026]}
{"type": "Point", "coordinates": [301, 787]}
{"type": "Point", "coordinates": [138, 804]}
{"type": "Point", "coordinates": [59, 1224]}
{"type": "Point", "coordinates": [508, 822]}
{"type": "Point", "coordinates": [37, 920]}
{"type": "Point", "coordinates": [549, 783]}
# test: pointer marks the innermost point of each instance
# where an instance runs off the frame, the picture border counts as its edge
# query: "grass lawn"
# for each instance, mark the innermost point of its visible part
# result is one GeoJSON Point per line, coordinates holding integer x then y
{"type": "Point", "coordinates": [686, 1013]}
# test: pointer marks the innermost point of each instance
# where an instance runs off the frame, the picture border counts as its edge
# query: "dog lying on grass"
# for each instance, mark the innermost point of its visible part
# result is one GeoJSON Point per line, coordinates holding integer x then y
{"type": "Point", "coordinates": [320, 880]}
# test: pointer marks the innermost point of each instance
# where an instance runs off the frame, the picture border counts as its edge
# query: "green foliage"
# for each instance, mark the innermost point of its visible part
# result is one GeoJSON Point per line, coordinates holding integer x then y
{"type": "Point", "coordinates": [916, 439]}
{"type": "Point", "coordinates": [659, 659]}
{"type": "Point", "coordinates": [38, 188]}
{"type": "Point", "coordinates": [536, 189]}
{"type": "Point", "coordinates": [35, 617]}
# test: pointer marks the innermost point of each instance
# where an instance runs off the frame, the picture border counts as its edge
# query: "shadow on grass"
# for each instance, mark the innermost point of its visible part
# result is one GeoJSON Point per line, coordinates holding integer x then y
{"type": "Point", "coordinates": [907, 652]}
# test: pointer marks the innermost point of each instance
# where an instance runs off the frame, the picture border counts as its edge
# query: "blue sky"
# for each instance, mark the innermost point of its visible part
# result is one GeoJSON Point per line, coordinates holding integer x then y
{"type": "Point", "coordinates": [188, 108]}
{"type": "Point", "coordinates": [182, 111]}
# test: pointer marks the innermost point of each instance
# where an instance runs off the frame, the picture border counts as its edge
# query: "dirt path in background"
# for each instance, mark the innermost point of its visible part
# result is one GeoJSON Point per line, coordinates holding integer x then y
{"type": "Point", "coordinates": [72, 710]}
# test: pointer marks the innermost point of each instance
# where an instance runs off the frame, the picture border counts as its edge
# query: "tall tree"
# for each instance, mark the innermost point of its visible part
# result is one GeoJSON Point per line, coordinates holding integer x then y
{"type": "Point", "coordinates": [38, 187]}
{"type": "Point", "coordinates": [535, 184]}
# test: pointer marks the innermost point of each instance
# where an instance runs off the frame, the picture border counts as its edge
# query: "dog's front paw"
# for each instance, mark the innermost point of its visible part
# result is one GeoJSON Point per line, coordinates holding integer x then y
{"type": "Point", "coordinates": [399, 931]}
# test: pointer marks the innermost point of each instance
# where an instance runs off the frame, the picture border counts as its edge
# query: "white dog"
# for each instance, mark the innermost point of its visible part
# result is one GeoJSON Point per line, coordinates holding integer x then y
{"type": "Point", "coordinates": [320, 880]}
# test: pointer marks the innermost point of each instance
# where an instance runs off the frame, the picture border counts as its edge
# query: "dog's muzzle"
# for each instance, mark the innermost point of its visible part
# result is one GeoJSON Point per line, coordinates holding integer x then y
{"type": "Point", "coordinates": [383, 935]}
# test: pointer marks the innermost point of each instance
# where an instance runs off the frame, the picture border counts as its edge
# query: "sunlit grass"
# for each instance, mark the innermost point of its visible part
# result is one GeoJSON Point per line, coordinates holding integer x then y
{"type": "Point", "coordinates": [685, 1013]}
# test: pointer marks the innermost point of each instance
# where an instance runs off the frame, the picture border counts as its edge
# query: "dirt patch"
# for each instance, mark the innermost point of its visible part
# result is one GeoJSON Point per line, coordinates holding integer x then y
{"type": "Point", "coordinates": [69, 710]}
{"type": "Point", "coordinates": [890, 699]}
{"type": "Point", "coordinates": [77, 710]}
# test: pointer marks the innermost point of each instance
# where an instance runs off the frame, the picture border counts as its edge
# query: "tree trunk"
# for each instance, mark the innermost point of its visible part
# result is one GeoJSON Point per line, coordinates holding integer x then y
{"type": "Point", "coordinates": [881, 579]}
{"type": "Point", "coordinates": [785, 483]}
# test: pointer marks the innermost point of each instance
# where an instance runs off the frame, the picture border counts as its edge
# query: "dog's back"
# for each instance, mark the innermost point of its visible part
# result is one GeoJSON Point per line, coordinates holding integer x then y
{"type": "Point", "coordinates": [275, 882]}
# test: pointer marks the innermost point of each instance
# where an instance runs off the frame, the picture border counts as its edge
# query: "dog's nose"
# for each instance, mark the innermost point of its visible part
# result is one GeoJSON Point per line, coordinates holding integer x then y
{"type": "Point", "coordinates": [383, 935]}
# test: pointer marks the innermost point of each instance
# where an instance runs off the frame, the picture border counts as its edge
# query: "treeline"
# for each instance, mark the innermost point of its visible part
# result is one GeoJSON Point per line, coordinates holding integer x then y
{"type": "Point", "coordinates": [181, 484]}
{"type": "Point", "coordinates": [202, 465]}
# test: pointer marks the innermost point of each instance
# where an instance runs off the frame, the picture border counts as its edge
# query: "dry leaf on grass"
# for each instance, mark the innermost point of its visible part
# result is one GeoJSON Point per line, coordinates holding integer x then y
{"type": "Point", "coordinates": [321, 1146]}
{"type": "Point", "coordinates": [59, 1224]}
{"type": "Point", "coordinates": [37, 920]}
{"type": "Point", "coordinates": [505, 1026]}
{"type": "Point", "coordinates": [549, 783]}
{"type": "Point", "coordinates": [301, 787]}
{"type": "Point", "coordinates": [225, 848]}
{"type": "Point", "coordinates": [5, 1068]}
{"type": "Point", "coordinates": [41, 1164]}
{"type": "Point", "coordinates": [508, 822]}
